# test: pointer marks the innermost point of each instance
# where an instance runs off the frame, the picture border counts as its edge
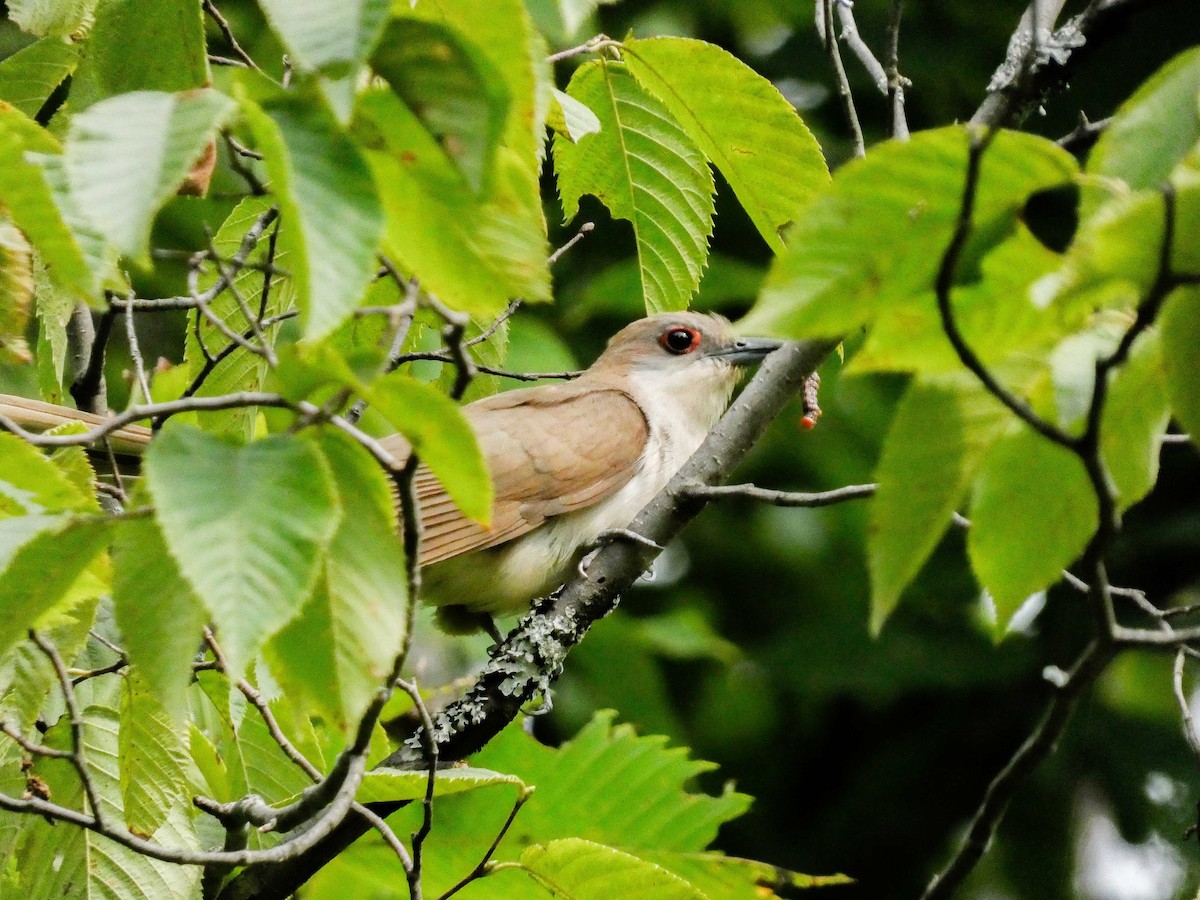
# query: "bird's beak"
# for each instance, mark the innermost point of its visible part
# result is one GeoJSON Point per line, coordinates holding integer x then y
{"type": "Point", "coordinates": [746, 351]}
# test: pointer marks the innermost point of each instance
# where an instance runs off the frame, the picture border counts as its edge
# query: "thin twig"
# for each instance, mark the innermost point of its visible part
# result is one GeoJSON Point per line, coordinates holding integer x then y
{"type": "Point", "coordinates": [483, 867]}
{"type": "Point", "coordinates": [1040, 744]}
{"type": "Point", "coordinates": [944, 284]}
{"type": "Point", "coordinates": [227, 32]}
{"type": "Point", "coordinates": [34, 749]}
{"type": "Point", "coordinates": [78, 755]}
{"type": "Point", "coordinates": [896, 83]}
{"type": "Point", "coordinates": [230, 278]}
{"type": "Point", "coordinates": [135, 354]}
{"type": "Point", "coordinates": [429, 748]}
{"type": "Point", "coordinates": [841, 82]}
{"type": "Point", "coordinates": [584, 230]}
{"type": "Point", "coordinates": [235, 155]}
{"type": "Point", "coordinates": [780, 498]}
{"type": "Point", "coordinates": [845, 14]}
{"type": "Point", "coordinates": [595, 43]}
{"type": "Point", "coordinates": [1084, 135]}
{"type": "Point", "coordinates": [141, 412]}
{"type": "Point", "coordinates": [1185, 708]}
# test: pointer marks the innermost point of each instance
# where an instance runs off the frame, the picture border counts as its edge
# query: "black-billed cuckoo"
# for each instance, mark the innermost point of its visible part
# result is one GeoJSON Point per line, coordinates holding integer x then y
{"type": "Point", "coordinates": [569, 462]}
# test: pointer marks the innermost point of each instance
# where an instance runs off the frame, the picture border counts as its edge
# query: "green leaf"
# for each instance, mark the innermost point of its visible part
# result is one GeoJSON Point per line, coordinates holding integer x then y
{"type": "Point", "coordinates": [66, 861]}
{"type": "Point", "coordinates": [579, 796]}
{"type": "Point", "coordinates": [160, 618]}
{"type": "Point", "coordinates": [605, 785]}
{"type": "Point", "coordinates": [127, 155]}
{"type": "Point", "coordinates": [441, 438]}
{"type": "Point", "coordinates": [1114, 259]}
{"type": "Point", "coordinates": [27, 676]}
{"type": "Point", "coordinates": [247, 526]}
{"type": "Point", "coordinates": [1032, 513]}
{"type": "Point", "coordinates": [30, 201]}
{"type": "Point", "coordinates": [502, 31]}
{"type": "Point", "coordinates": [384, 784]}
{"type": "Point", "coordinates": [450, 87]}
{"type": "Point", "coordinates": [643, 166]}
{"type": "Point", "coordinates": [241, 370]}
{"type": "Point", "coordinates": [1180, 324]}
{"type": "Point", "coordinates": [1164, 106]}
{"type": "Point", "coordinates": [874, 240]}
{"type": "Point", "coordinates": [570, 118]}
{"type": "Point", "coordinates": [98, 255]}
{"type": "Point", "coordinates": [941, 430]}
{"type": "Point", "coordinates": [1135, 418]}
{"type": "Point", "coordinates": [16, 292]}
{"type": "Point", "coordinates": [473, 252]}
{"type": "Point", "coordinates": [49, 567]}
{"type": "Point", "coordinates": [331, 36]}
{"type": "Point", "coordinates": [152, 757]}
{"type": "Point", "coordinates": [741, 122]}
{"type": "Point", "coordinates": [29, 76]}
{"type": "Point", "coordinates": [57, 18]}
{"type": "Point", "coordinates": [341, 648]}
{"type": "Point", "coordinates": [995, 313]}
{"type": "Point", "coordinates": [31, 484]}
{"type": "Point", "coordinates": [178, 60]}
{"type": "Point", "coordinates": [734, 878]}
{"type": "Point", "coordinates": [583, 870]}
{"type": "Point", "coordinates": [323, 186]}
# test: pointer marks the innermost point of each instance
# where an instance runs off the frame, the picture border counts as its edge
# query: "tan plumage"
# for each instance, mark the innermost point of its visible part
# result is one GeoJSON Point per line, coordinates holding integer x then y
{"type": "Point", "coordinates": [568, 461]}
{"type": "Point", "coordinates": [550, 450]}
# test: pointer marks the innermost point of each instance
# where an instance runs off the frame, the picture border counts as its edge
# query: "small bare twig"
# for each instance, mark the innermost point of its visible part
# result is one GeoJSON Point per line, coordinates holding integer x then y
{"type": "Point", "coordinates": [1084, 135]}
{"type": "Point", "coordinates": [1036, 747]}
{"type": "Point", "coordinates": [484, 865]}
{"type": "Point", "coordinates": [896, 83]}
{"type": "Point", "coordinates": [34, 749]}
{"type": "Point", "coordinates": [135, 354]}
{"type": "Point", "coordinates": [140, 412]}
{"type": "Point", "coordinates": [1185, 708]}
{"type": "Point", "coordinates": [247, 174]}
{"type": "Point", "coordinates": [254, 321]}
{"type": "Point", "coordinates": [215, 14]}
{"type": "Point", "coordinates": [78, 754]}
{"type": "Point", "coordinates": [596, 43]}
{"type": "Point", "coordinates": [429, 748]}
{"type": "Point", "coordinates": [780, 498]}
{"type": "Point", "coordinates": [841, 82]}
{"type": "Point", "coordinates": [584, 230]}
{"type": "Point", "coordinates": [944, 284]}
{"type": "Point", "coordinates": [845, 14]}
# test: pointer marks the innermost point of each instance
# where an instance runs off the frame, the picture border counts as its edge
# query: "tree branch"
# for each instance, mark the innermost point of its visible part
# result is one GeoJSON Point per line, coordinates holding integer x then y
{"type": "Point", "coordinates": [533, 653]}
{"type": "Point", "coordinates": [1039, 66]}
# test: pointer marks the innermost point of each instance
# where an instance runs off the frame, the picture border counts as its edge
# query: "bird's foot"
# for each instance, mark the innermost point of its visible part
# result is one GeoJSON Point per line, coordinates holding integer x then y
{"type": "Point", "coordinates": [611, 536]}
{"type": "Point", "coordinates": [544, 707]}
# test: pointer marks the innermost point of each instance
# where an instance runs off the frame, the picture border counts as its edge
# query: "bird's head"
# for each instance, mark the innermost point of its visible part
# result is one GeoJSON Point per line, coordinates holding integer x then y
{"type": "Point", "coordinates": [683, 354]}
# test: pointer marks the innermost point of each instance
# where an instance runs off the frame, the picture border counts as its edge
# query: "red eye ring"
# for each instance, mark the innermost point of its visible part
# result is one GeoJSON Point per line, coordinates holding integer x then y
{"type": "Point", "coordinates": [679, 339]}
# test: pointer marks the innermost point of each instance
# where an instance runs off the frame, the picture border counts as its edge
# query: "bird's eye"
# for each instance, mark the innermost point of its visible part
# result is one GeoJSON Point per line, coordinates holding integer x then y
{"type": "Point", "coordinates": [680, 340]}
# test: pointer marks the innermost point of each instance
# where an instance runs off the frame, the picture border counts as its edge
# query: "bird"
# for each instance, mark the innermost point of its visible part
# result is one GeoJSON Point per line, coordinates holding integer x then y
{"type": "Point", "coordinates": [571, 463]}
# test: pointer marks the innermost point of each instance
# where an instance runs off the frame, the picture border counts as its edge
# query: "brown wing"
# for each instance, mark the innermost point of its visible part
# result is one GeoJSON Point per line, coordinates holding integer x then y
{"type": "Point", "coordinates": [550, 450]}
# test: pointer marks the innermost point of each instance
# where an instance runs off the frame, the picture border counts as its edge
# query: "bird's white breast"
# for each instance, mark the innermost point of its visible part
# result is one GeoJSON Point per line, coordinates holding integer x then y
{"type": "Point", "coordinates": [681, 408]}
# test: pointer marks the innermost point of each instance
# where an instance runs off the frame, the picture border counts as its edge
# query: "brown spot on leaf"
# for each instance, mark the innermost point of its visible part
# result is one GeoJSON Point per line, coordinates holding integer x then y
{"type": "Point", "coordinates": [197, 180]}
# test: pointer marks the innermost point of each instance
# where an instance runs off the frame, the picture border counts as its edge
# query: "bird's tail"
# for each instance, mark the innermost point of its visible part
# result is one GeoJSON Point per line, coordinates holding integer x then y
{"type": "Point", "coordinates": [35, 415]}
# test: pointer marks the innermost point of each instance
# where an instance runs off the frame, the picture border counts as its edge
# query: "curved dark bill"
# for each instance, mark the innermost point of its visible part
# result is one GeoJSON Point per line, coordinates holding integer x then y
{"type": "Point", "coordinates": [747, 351]}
